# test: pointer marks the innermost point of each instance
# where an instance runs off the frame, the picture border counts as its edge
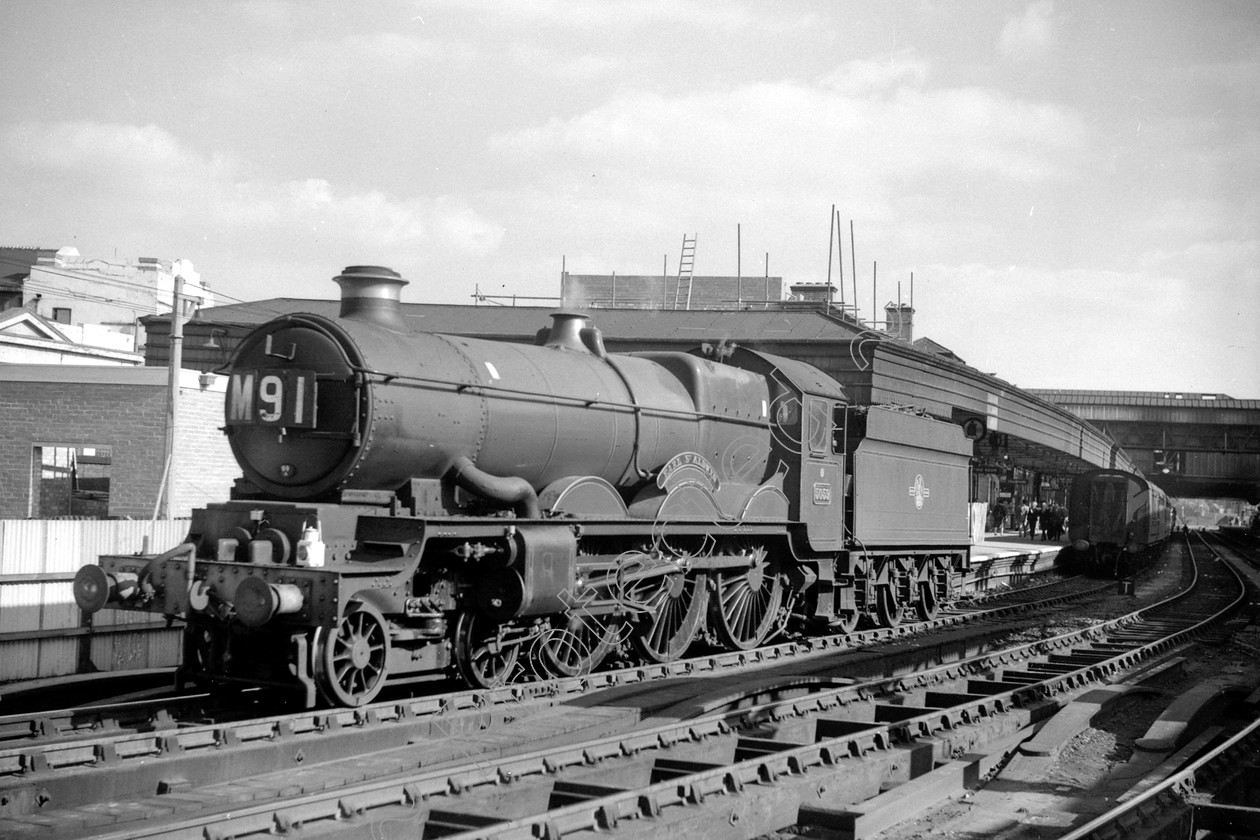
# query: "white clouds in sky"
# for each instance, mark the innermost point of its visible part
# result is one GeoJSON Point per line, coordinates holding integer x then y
{"type": "Point", "coordinates": [1029, 35]}
{"type": "Point", "coordinates": [148, 169]}
{"type": "Point", "coordinates": [785, 128]}
{"type": "Point", "coordinates": [466, 141]}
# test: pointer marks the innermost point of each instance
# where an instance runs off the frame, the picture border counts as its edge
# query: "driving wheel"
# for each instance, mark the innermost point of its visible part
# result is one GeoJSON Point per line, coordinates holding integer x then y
{"type": "Point", "coordinates": [747, 603]}
{"type": "Point", "coordinates": [675, 608]}
{"type": "Point", "coordinates": [484, 661]}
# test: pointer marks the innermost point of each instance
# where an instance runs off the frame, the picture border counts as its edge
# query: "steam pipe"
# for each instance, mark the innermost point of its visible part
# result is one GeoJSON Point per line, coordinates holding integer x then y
{"type": "Point", "coordinates": [509, 490]}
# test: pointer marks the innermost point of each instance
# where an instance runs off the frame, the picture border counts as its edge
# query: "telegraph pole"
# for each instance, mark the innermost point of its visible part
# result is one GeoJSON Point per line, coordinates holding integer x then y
{"type": "Point", "coordinates": [179, 270]}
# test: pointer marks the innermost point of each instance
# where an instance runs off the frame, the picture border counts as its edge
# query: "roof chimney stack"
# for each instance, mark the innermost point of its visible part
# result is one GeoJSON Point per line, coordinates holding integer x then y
{"type": "Point", "coordinates": [900, 321]}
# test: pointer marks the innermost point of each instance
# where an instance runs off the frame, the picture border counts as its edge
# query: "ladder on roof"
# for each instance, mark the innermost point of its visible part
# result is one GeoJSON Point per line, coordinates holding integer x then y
{"type": "Point", "coordinates": [682, 294]}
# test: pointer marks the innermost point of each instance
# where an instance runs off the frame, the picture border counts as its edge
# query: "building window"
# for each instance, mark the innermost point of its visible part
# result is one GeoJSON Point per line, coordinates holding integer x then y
{"type": "Point", "coordinates": [70, 481]}
{"type": "Point", "coordinates": [61, 314]}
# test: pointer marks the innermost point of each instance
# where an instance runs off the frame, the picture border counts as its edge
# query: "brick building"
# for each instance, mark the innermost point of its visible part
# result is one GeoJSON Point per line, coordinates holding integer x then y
{"type": "Point", "coordinates": [89, 441]}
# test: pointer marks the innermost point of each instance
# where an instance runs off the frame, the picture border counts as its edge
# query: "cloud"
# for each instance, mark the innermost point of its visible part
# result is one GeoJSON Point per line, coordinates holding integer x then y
{"type": "Point", "coordinates": [81, 145]}
{"type": "Point", "coordinates": [1046, 326]}
{"type": "Point", "coordinates": [128, 177]}
{"type": "Point", "coordinates": [305, 71]}
{"type": "Point", "coordinates": [549, 63]}
{"type": "Point", "coordinates": [866, 121]}
{"type": "Point", "coordinates": [866, 77]}
{"type": "Point", "coordinates": [1030, 35]}
{"type": "Point", "coordinates": [269, 13]}
{"type": "Point", "coordinates": [579, 14]}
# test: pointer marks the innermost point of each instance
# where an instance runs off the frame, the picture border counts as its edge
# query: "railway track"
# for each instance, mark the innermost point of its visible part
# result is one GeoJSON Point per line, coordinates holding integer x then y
{"type": "Point", "coordinates": [76, 736]}
{"type": "Point", "coordinates": [1217, 792]}
{"type": "Point", "coordinates": [750, 752]}
{"type": "Point", "coordinates": [1007, 582]}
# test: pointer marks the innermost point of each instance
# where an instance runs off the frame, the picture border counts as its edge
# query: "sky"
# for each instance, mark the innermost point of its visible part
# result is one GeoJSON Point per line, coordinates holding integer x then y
{"type": "Point", "coordinates": [1075, 186]}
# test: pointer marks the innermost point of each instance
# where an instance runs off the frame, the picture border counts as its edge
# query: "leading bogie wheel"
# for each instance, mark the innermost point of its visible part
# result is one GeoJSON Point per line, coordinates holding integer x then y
{"type": "Point", "coordinates": [352, 659]}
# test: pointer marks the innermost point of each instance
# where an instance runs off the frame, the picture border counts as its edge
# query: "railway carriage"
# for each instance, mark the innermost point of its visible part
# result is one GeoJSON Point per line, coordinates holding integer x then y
{"type": "Point", "coordinates": [1116, 517]}
{"type": "Point", "coordinates": [416, 506]}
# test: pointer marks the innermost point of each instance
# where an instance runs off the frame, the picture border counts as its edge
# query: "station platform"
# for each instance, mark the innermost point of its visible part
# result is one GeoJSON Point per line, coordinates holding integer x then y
{"type": "Point", "coordinates": [1009, 544]}
{"type": "Point", "coordinates": [1005, 559]}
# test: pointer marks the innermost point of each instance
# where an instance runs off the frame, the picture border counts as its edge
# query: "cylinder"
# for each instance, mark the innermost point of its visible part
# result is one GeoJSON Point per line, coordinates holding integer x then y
{"type": "Point", "coordinates": [257, 601]}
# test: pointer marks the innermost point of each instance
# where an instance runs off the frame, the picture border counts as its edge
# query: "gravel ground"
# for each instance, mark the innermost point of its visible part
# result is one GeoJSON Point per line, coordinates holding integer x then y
{"type": "Point", "coordinates": [1033, 798]}
{"type": "Point", "coordinates": [1048, 797]}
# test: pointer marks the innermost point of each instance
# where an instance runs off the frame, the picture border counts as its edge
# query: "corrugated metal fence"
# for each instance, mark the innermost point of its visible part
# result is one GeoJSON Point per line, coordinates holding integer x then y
{"type": "Point", "coordinates": [42, 631]}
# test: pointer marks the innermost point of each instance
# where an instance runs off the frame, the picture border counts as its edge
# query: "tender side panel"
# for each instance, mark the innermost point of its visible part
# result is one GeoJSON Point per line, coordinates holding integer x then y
{"type": "Point", "coordinates": [911, 481]}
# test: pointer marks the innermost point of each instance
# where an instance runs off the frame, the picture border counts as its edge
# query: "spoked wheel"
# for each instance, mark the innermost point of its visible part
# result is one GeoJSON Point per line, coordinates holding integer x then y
{"type": "Point", "coordinates": [887, 607]}
{"type": "Point", "coordinates": [675, 606]}
{"type": "Point", "coordinates": [928, 604]}
{"type": "Point", "coordinates": [351, 659]}
{"type": "Point", "coordinates": [482, 658]}
{"type": "Point", "coordinates": [747, 604]}
{"type": "Point", "coordinates": [578, 644]}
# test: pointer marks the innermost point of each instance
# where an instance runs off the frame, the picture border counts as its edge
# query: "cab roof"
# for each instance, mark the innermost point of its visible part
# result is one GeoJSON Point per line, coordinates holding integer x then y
{"type": "Point", "coordinates": [803, 376]}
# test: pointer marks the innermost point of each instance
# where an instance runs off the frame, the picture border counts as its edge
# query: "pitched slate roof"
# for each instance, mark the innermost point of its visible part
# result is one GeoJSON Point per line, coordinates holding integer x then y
{"type": "Point", "coordinates": [24, 323]}
{"type": "Point", "coordinates": [792, 324]}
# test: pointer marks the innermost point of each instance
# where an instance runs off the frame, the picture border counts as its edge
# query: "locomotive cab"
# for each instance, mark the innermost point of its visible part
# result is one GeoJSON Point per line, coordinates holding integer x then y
{"type": "Point", "coordinates": [807, 442]}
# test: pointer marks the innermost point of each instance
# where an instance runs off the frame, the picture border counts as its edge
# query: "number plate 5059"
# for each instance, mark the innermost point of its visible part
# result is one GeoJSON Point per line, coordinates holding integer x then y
{"type": "Point", "coordinates": [272, 398]}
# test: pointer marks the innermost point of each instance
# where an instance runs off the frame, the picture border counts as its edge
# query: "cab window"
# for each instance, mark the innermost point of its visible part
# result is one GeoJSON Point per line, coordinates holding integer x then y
{"type": "Point", "coordinates": [819, 425]}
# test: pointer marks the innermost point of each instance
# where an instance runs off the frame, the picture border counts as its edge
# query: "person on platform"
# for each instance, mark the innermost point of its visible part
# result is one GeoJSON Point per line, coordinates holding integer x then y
{"type": "Point", "coordinates": [1033, 514]}
{"type": "Point", "coordinates": [1022, 522]}
{"type": "Point", "coordinates": [999, 518]}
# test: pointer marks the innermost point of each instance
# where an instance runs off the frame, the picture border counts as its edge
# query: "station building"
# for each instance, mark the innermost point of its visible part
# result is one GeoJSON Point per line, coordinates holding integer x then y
{"type": "Point", "coordinates": [95, 302]}
{"type": "Point", "coordinates": [89, 441]}
{"type": "Point", "coordinates": [82, 421]}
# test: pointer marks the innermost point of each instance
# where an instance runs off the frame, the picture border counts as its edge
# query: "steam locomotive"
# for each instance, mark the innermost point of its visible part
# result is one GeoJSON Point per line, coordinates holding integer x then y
{"type": "Point", "coordinates": [1114, 519]}
{"type": "Point", "coordinates": [418, 506]}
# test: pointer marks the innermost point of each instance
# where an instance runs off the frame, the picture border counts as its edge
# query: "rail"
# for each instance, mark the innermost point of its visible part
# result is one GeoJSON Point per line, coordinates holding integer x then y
{"type": "Point", "coordinates": [741, 772]}
{"type": "Point", "coordinates": [1185, 797]}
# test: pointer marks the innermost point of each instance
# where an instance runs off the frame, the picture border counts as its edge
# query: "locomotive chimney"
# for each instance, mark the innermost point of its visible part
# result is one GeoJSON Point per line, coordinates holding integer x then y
{"type": "Point", "coordinates": [372, 293]}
